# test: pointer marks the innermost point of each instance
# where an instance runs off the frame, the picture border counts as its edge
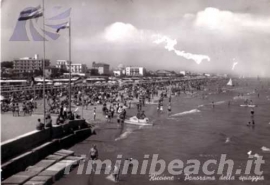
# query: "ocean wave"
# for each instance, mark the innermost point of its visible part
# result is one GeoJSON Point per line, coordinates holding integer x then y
{"type": "Point", "coordinates": [186, 112]}
{"type": "Point", "coordinates": [241, 97]}
{"type": "Point", "coordinates": [151, 103]}
{"type": "Point", "coordinates": [219, 102]}
{"type": "Point", "coordinates": [124, 134]}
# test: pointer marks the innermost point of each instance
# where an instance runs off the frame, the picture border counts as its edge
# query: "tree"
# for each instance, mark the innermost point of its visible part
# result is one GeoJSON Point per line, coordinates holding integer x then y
{"type": "Point", "coordinates": [7, 64]}
{"type": "Point", "coordinates": [38, 73]}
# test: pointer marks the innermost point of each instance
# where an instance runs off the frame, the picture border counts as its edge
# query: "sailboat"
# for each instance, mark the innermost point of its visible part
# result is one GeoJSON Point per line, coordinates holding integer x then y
{"type": "Point", "coordinates": [230, 82]}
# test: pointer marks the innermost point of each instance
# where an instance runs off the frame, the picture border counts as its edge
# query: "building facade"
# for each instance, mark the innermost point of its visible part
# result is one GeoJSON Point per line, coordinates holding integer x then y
{"type": "Point", "coordinates": [117, 73]}
{"type": "Point", "coordinates": [62, 64]}
{"type": "Point", "coordinates": [135, 71]}
{"type": "Point", "coordinates": [75, 68]}
{"type": "Point", "coordinates": [165, 73]}
{"type": "Point", "coordinates": [103, 69]}
{"type": "Point", "coordinates": [29, 65]}
{"type": "Point", "coordinates": [78, 68]}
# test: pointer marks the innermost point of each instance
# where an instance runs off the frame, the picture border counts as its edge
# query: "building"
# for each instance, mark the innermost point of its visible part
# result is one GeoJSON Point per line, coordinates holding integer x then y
{"type": "Point", "coordinates": [103, 69]}
{"type": "Point", "coordinates": [182, 73]}
{"type": "Point", "coordinates": [165, 73]}
{"type": "Point", "coordinates": [75, 68]}
{"type": "Point", "coordinates": [135, 71]}
{"type": "Point", "coordinates": [62, 64]}
{"type": "Point", "coordinates": [119, 72]}
{"type": "Point", "coordinates": [78, 68]}
{"type": "Point", "coordinates": [29, 65]}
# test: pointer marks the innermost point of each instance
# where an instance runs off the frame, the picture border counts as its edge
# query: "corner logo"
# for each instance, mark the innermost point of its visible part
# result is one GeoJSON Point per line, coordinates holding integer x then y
{"type": "Point", "coordinates": [32, 29]}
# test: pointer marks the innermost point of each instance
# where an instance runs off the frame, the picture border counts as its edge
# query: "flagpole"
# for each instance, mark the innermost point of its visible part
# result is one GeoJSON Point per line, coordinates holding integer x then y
{"type": "Point", "coordinates": [44, 100]}
{"type": "Point", "coordinates": [69, 64]}
{"type": "Point", "coordinates": [82, 102]}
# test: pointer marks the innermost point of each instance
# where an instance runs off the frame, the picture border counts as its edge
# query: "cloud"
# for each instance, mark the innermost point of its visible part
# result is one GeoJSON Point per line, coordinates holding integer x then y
{"type": "Point", "coordinates": [170, 43]}
{"type": "Point", "coordinates": [122, 32]}
{"type": "Point", "coordinates": [227, 21]}
{"type": "Point", "coordinates": [127, 33]}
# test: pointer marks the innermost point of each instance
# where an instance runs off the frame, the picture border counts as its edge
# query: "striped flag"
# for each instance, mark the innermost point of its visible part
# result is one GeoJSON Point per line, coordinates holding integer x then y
{"type": "Point", "coordinates": [30, 13]}
{"type": "Point", "coordinates": [63, 27]}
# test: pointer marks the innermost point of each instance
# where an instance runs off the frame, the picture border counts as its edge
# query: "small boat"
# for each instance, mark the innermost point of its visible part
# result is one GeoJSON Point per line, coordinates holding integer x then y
{"type": "Point", "coordinates": [230, 82]}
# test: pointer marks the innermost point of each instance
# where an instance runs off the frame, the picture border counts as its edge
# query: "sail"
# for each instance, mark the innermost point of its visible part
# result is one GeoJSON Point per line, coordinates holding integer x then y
{"type": "Point", "coordinates": [230, 82]}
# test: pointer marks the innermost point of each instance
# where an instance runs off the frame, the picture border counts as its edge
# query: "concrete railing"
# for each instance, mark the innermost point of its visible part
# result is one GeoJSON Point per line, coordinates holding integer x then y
{"type": "Point", "coordinates": [17, 146]}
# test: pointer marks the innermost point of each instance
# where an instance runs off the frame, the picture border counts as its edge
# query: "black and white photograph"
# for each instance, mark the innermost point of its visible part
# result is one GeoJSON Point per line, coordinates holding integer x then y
{"type": "Point", "coordinates": [135, 92]}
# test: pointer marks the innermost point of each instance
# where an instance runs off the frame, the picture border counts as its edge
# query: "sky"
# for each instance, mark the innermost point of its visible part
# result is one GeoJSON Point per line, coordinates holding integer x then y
{"type": "Point", "coordinates": [212, 36]}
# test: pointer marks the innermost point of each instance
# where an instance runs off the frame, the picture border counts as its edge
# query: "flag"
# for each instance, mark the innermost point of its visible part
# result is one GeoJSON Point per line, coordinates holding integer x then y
{"type": "Point", "coordinates": [63, 27]}
{"type": "Point", "coordinates": [30, 13]}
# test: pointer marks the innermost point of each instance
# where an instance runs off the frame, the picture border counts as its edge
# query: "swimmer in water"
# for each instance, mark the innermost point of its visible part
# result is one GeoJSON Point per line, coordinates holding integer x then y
{"type": "Point", "coordinates": [138, 115]}
{"type": "Point", "coordinates": [116, 172]}
{"type": "Point", "coordinates": [142, 115]}
{"type": "Point", "coordinates": [252, 112]}
{"type": "Point", "coordinates": [93, 153]}
{"type": "Point", "coordinates": [169, 108]}
{"type": "Point", "coordinates": [161, 106]}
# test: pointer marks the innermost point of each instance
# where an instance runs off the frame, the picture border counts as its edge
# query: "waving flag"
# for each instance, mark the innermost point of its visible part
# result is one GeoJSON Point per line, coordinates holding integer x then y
{"type": "Point", "coordinates": [63, 27]}
{"type": "Point", "coordinates": [30, 13]}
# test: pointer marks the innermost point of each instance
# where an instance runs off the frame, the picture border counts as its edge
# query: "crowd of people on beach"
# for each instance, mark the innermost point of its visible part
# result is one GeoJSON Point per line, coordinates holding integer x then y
{"type": "Point", "coordinates": [114, 99]}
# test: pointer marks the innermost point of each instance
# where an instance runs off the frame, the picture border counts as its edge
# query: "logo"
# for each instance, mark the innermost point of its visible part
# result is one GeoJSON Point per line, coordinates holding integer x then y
{"type": "Point", "coordinates": [32, 29]}
{"type": "Point", "coordinates": [157, 169]}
